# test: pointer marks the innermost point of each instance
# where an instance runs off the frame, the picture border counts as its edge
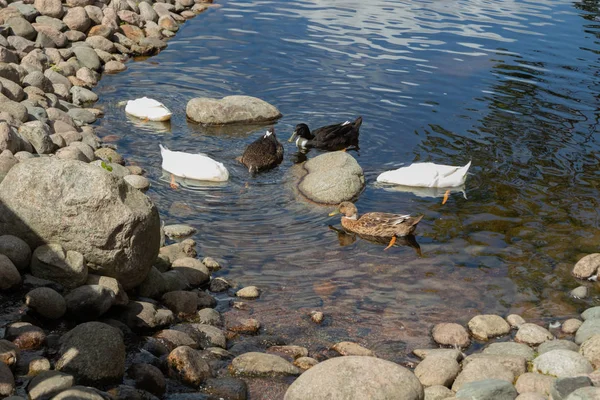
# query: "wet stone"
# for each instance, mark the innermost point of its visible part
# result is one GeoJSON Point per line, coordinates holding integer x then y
{"type": "Point", "coordinates": [351, 349]}
{"type": "Point", "coordinates": [247, 326]}
{"type": "Point", "coordinates": [249, 292]}
{"type": "Point", "coordinates": [451, 334]}
{"type": "Point", "coordinates": [447, 353]}
{"type": "Point", "coordinates": [179, 230]}
{"type": "Point", "coordinates": [316, 316]}
{"type": "Point", "coordinates": [571, 325]}
{"type": "Point", "coordinates": [175, 338]}
{"type": "Point", "coordinates": [218, 285]}
{"type": "Point", "coordinates": [195, 272]}
{"type": "Point", "coordinates": [209, 316]}
{"type": "Point", "coordinates": [25, 335]}
{"type": "Point", "coordinates": [212, 264]}
{"type": "Point", "coordinates": [580, 292]}
{"type": "Point", "coordinates": [262, 364]}
{"type": "Point", "coordinates": [305, 363]}
{"type": "Point", "coordinates": [227, 388]}
{"type": "Point", "coordinates": [532, 334]}
{"type": "Point", "coordinates": [9, 353]}
{"type": "Point", "coordinates": [487, 326]}
{"type": "Point", "coordinates": [587, 266]}
{"type": "Point", "coordinates": [187, 366]}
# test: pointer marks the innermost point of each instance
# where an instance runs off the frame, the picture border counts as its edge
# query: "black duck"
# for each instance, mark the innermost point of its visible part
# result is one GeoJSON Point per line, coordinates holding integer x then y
{"type": "Point", "coordinates": [264, 153]}
{"type": "Point", "coordinates": [331, 137]}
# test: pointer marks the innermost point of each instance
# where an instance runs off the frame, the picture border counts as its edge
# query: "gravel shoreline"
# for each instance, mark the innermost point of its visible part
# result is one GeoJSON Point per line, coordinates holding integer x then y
{"type": "Point", "coordinates": [95, 305]}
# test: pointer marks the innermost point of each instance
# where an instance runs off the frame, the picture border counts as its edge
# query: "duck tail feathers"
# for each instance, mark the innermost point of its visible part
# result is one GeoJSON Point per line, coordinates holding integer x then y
{"type": "Point", "coordinates": [357, 122]}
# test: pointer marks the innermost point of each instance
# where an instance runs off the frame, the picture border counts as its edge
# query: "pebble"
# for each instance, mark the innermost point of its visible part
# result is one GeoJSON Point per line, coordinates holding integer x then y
{"type": "Point", "coordinates": [9, 274]}
{"type": "Point", "coordinates": [589, 328]}
{"type": "Point", "coordinates": [481, 369]}
{"type": "Point", "coordinates": [305, 363]}
{"type": "Point", "coordinates": [557, 344]}
{"type": "Point", "coordinates": [193, 269]}
{"type": "Point", "coordinates": [7, 381]}
{"type": "Point", "coordinates": [49, 383]}
{"type": "Point", "coordinates": [17, 250]}
{"type": "Point", "coordinates": [316, 316]}
{"type": "Point", "coordinates": [137, 181]}
{"type": "Point", "coordinates": [580, 292]}
{"type": "Point", "coordinates": [218, 285]}
{"type": "Point", "coordinates": [351, 349]}
{"type": "Point", "coordinates": [9, 352]}
{"type": "Point", "coordinates": [209, 316]}
{"type": "Point", "coordinates": [290, 351]}
{"type": "Point", "coordinates": [25, 335]}
{"type": "Point", "coordinates": [179, 231]}
{"type": "Point", "coordinates": [212, 264]}
{"type": "Point", "coordinates": [227, 388]}
{"type": "Point", "coordinates": [249, 292]}
{"type": "Point", "coordinates": [571, 325]}
{"type": "Point", "coordinates": [262, 364]}
{"type": "Point", "coordinates": [448, 353]}
{"type": "Point", "coordinates": [88, 302]}
{"type": "Point", "coordinates": [515, 320]}
{"type": "Point", "coordinates": [438, 392]}
{"type": "Point", "coordinates": [591, 313]}
{"type": "Point", "coordinates": [247, 326]}
{"type": "Point", "coordinates": [562, 387]}
{"type": "Point", "coordinates": [149, 378]}
{"type": "Point", "coordinates": [186, 365]}
{"type": "Point", "coordinates": [587, 266]}
{"type": "Point", "coordinates": [488, 389]}
{"type": "Point", "coordinates": [181, 302]}
{"type": "Point", "coordinates": [590, 349]}
{"type": "Point", "coordinates": [510, 348]}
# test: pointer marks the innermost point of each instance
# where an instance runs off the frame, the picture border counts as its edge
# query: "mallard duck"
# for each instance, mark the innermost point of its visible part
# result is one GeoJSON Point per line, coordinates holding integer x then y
{"type": "Point", "coordinates": [331, 137]}
{"type": "Point", "coordinates": [193, 166]}
{"type": "Point", "coordinates": [264, 153]}
{"type": "Point", "coordinates": [427, 175]}
{"type": "Point", "coordinates": [148, 109]}
{"type": "Point", "coordinates": [376, 224]}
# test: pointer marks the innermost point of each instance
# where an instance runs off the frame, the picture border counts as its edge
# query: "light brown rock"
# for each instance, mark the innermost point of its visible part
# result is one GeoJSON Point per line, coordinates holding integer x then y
{"type": "Point", "coordinates": [451, 334]}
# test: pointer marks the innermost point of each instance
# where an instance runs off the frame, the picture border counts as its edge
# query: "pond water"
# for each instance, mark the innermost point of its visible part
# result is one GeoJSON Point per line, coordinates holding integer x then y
{"type": "Point", "coordinates": [510, 85]}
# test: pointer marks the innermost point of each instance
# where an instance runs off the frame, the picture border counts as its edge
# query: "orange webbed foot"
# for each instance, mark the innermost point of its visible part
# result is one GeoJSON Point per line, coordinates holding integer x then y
{"type": "Point", "coordinates": [391, 243]}
{"type": "Point", "coordinates": [446, 195]}
{"type": "Point", "coordinates": [173, 184]}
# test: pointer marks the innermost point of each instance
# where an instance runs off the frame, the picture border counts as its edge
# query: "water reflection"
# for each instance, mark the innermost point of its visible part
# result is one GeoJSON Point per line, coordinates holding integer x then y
{"type": "Point", "coordinates": [490, 81]}
{"type": "Point", "coordinates": [347, 238]}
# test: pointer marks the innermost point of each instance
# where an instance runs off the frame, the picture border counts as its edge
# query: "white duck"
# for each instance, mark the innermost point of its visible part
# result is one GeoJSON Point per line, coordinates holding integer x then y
{"type": "Point", "coordinates": [193, 166]}
{"type": "Point", "coordinates": [428, 175]}
{"type": "Point", "coordinates": [148, 109]}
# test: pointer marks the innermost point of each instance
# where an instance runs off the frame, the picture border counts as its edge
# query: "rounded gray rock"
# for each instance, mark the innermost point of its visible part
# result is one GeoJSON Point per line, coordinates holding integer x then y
{"type": "Point", "coordinates": [52, 262]}
{"type": "Point", "coordinates": [562, 363]}
{"type": "Point", "coordinates": [9, 274]}
{"type": "Point", "coordinates": [193, 269]}
{"type": "Point", "coordinates": [47, 302]}
{"type": "Point", "coordinates": [489, 389]}
{"type": "Point", "coordinates": [331, 178]}
{"type": "Point", "coordinates": [137, 181]}
{"type": "Point", "coordinates": [94, 353]}
{"type": "Point", "coordinates": [88, 302]}
{"type": "Point", "coordinates": [355, 377]}
{"type": "Point", "coordinates": [230, 109]}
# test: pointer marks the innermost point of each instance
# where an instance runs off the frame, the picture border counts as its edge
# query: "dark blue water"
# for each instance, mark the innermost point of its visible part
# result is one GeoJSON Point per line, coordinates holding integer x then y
{"type": "Point", "coordinates": [511, 85]}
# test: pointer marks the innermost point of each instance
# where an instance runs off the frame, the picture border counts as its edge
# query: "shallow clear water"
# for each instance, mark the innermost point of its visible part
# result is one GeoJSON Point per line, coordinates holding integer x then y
{"type": "Point", "coordinates": [510, 85]}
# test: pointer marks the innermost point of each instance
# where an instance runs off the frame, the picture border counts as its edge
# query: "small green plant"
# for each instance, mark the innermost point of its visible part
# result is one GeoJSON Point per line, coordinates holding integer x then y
{"type": "Point", "coordinates": [106, 166]}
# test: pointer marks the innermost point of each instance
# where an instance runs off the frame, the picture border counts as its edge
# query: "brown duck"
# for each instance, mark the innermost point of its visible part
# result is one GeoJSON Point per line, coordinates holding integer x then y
{"type": "Point", "coordinates": [264, 153]}
{"type": "Point", "coordinates": [376, 224]}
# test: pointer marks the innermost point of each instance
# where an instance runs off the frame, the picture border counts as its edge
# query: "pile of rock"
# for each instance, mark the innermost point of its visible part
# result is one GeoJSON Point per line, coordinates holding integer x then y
{"type": "Point", "coordinates": [52, 53]}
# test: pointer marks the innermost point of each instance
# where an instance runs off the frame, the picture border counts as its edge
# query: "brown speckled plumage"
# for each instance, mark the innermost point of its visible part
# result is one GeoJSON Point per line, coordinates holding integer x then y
{"type": "Point", "coordinates": [377, 223]}
{"type": "Point", "coordinates": [264, 153]}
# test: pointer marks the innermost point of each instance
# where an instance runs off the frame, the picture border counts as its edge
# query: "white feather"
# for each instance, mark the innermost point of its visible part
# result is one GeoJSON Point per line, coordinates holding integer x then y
{"type": "Point", "coordinates": [426, 175]}
{"type": "Point", "coordinates": [346, 123]}
{"type": "Point", "coordinates": [146, 108]}
{"type": "Point", "coordinates": [193, 166]}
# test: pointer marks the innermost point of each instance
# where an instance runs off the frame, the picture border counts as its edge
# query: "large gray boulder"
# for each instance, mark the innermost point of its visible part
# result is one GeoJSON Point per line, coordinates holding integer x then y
{"type": "Point", "coordinates": [85, 209]}
{"type": "Point", "coordinates": [230, 110]}
{"type": "Point", "coordinates": [356, 377]}
{"type": "Point", "coordinates": [331, 178]}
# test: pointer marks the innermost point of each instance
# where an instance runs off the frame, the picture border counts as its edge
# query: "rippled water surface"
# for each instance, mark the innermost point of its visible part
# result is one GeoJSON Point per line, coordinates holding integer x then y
{"type": "Point", "coordinates": [511, 85]}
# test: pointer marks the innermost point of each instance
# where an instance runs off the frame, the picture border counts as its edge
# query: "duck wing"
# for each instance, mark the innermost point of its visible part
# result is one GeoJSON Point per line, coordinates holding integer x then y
{"type": "Point", "coordinates": [262, 153]}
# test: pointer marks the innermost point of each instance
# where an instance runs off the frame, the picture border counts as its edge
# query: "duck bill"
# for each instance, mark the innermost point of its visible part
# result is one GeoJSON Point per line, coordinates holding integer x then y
{"type": "Point", "coordinates": [292, 137]}
{"type": "Point", "coordinates": [331, 214]}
